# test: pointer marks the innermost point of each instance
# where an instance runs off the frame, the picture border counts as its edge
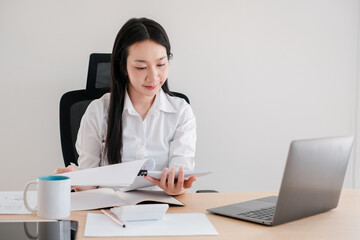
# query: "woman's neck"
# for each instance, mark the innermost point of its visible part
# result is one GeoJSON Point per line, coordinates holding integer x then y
{"type": "Point", "coordinates": [141, 103]}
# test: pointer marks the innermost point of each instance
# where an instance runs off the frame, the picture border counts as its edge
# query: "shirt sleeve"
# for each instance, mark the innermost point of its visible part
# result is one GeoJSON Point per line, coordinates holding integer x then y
{"type": "Point", "coordinates": [90, 139]}
{"type": "Point", "coordinates": [182, 146]}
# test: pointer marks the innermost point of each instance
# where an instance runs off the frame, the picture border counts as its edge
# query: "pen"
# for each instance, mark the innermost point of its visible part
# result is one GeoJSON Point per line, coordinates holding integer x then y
{"type": "Point", "coordinates": [113, 218]}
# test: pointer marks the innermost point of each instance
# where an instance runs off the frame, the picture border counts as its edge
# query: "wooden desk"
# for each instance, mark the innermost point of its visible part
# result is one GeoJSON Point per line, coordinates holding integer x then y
{"type": "Point", "coordinates": [342, 222]}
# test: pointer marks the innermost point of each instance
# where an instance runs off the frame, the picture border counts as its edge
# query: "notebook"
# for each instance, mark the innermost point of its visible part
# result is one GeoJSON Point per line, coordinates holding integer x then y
{"type": "Point", "coordinates": [311, 184]}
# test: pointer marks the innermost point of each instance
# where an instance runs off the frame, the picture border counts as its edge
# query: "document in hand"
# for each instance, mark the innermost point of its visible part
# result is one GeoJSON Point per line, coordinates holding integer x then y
{"type": "Point", "coordinates": [123, 175]}
{"type": "Point", "coordinates": [107, 197]}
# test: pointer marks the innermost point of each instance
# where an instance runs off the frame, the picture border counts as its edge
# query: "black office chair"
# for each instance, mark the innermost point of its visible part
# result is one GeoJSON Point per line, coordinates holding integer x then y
{"type": "Point", "coordinates": [73, 104]}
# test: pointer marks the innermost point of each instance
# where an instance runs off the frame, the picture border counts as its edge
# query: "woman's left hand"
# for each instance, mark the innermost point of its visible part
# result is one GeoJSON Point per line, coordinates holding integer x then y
{"type": "Point", "coordinates": [171, 185]}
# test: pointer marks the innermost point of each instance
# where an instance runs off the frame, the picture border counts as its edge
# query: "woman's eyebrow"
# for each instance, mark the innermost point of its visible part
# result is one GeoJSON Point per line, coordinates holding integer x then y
{"type": "Point", "coordinates": [144, 61]}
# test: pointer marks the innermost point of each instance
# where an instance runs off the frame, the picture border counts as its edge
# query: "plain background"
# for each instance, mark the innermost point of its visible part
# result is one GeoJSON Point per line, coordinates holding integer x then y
{"type": "Point", "coordinates": [259, 73]}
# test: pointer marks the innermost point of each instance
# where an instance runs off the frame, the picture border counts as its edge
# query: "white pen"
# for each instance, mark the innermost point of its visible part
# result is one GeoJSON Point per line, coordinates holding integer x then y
{"type": "Point", "coordinates": [113, 218]}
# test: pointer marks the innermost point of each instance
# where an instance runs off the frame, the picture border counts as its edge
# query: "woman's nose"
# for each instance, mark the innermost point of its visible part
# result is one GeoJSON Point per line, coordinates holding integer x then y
{"type": "Point", "coordinates": [153, 75]}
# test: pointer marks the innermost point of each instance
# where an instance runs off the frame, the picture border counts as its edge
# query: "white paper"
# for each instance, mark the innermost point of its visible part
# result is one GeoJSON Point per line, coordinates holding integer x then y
{"type": "Point", "coordinates": [121, 174]}
{"type": "Point", "coordinates": [135, 197]}
{"type": "Point", "coordinates": [139, 182]}
{"type": "Point", "coordinates": [13, 202]}
{"type": "Point", "coordinates": [182, 224]}
{"type": "Point", "coordinates": [94, 199]}
{"type": "Point", "coordinates": [124, 175]}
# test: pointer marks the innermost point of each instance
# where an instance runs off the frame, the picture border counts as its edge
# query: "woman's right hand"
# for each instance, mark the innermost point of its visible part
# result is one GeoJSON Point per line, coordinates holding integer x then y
{"type": "Point", "coordinates": [69, 168]}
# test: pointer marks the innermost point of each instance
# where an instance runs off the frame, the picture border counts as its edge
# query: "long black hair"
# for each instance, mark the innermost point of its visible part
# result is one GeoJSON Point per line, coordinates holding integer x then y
{"type": "Point", "coordinates": [134, 30]}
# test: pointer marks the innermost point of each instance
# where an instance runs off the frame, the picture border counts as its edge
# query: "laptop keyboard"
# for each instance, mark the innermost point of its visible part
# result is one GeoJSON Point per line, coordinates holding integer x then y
{"type": "Point", "coordinates": [262, 214]}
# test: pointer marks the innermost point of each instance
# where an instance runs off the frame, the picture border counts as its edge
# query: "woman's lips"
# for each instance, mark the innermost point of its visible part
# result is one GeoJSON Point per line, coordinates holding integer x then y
{"type": "Point", "coordinates": [151, 87]}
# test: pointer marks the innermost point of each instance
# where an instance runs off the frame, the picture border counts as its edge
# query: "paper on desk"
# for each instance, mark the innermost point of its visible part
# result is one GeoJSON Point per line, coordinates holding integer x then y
{"type": "Point", "coordinates": [12, 202]}
{"type": "Point", "coordinates": [181, 224]}
{"type": "Point", "coordinates": [121, 174]}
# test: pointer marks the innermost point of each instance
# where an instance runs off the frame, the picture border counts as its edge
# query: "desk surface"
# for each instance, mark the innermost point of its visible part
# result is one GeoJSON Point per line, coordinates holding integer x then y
{"type": "Point", "coordinates": [342, 222]}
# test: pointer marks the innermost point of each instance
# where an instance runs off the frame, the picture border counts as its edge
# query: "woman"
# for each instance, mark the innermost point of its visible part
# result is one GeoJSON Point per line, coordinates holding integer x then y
{"type": "Point", "coordinates": [139, 118]}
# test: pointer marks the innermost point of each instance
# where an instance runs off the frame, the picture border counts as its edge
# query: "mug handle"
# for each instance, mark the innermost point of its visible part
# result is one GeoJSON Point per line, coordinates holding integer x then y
{"type": "Point", "coordinates": [25, 197]}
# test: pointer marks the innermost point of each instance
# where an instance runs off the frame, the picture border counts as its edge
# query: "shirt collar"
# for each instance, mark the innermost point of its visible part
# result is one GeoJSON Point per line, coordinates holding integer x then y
{"type": "Point", "coordinates": [128, 105]}
{"type": "Point", "coordinates": [161, 103]}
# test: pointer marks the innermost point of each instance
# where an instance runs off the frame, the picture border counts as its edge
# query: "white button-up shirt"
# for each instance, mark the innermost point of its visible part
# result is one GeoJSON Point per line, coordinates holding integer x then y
{"type": "Point", "coordinates": [167, 134]}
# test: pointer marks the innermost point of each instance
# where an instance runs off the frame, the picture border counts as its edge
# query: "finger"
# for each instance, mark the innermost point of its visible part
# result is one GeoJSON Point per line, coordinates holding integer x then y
{"type": "Point", "coordinates": [188, 183]}
{"type": "Point", "coordinates": [60, 170]}
{"type": "Point", "coordinates": [69, 168]}
{"type": "Point", "coordinates": [163, 179]}
{"type": "Point", "coordinates": [180, 179]}
{"type": "Point", "coordinates": [171, 179]}
{"type": "Point", "coordinates": [153, 180]}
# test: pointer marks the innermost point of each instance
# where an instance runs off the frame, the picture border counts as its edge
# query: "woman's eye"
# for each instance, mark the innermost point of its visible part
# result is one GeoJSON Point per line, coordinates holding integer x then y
{"type": "Point", "coordinates": [161, 65]}
{"type": "Point", "coordinates": [140, 68]}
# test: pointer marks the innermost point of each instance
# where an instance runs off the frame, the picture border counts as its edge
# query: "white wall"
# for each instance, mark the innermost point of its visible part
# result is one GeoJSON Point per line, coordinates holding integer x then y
{"type": "Point", "coordinates": [356, 151]}
{"type": "Point", "coordinates": [259, 73]}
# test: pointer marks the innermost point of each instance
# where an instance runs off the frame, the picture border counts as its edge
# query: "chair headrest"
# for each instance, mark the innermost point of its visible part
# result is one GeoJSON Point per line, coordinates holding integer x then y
{"type": "Point", "coordinates": [99, 74]}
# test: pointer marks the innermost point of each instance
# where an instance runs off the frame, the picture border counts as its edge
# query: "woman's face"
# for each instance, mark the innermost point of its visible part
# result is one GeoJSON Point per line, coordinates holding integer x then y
{"type": "Point", "coordinates": [147, 68]}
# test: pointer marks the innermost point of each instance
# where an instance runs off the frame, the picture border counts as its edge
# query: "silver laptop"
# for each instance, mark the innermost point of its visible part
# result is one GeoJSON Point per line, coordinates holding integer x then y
{"type": "Point", "coordinates": [311, 184]}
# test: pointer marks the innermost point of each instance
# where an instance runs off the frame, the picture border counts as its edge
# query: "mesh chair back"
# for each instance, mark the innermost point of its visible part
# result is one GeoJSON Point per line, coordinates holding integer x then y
{"type": "Point", "coordinates": [72, 107]}
{"type": "Point", "coordinates": [99, 74]}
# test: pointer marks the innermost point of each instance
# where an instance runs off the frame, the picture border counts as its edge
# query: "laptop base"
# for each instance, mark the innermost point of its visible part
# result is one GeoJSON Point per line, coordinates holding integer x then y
{"type": "Point", "coordinates": [238, 210]}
